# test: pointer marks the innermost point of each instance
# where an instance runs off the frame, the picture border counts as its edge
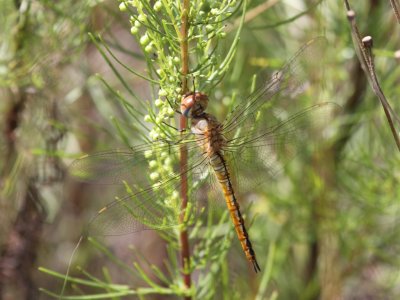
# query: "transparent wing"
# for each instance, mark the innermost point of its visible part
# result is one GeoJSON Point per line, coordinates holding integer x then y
{"type": "Point", "coordinates": [265, 137]}
{"type": "Point", "coordinates": [290, 81]}
{"type": "Point", "coordinates": [152, 202]}
{"type": "Point", "coordinates": [130, 165]}
{"type": "Point", "coordinates": [154, 208]}
{"type": "Point", "coordinates": [149, 209]}
{"type": "Point", "coordinates": [268, 148]}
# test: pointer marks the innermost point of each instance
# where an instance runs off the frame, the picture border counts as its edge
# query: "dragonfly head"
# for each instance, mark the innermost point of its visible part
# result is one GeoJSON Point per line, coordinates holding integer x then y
{"type": "Point", "coordinates": [194, 104]}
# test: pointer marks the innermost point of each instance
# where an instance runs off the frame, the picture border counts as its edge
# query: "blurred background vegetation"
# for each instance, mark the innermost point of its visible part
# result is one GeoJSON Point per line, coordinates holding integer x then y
{"type": "Point", "coordinates": [325, 229]}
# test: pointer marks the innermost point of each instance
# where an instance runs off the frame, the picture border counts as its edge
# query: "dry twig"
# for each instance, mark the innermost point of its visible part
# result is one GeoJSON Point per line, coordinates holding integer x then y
{"type": "Point", "coordinates": [364, 53]}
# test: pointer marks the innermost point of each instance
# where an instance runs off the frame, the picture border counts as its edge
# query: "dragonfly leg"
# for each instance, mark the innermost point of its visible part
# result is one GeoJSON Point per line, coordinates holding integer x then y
{"type": "Point", "coordinates": [173, 127]}
{"type": "Point", "coordinates": [172, 106]}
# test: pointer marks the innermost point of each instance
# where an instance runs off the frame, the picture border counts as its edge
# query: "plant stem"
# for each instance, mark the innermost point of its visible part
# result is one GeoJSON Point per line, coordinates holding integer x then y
{"type": "Point", "coordinates": [365, 56]}
{"type": "Point", "coordinates": [395, 10]}
{"type": "Point", "coordinates": [185, 45]}
{"type": "Point", "coordinates": [184, 240]}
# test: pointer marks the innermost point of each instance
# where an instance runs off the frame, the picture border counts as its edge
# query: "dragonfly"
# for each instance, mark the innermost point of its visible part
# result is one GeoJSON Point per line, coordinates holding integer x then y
{"type": "Point", "coordinates": [221, 156]}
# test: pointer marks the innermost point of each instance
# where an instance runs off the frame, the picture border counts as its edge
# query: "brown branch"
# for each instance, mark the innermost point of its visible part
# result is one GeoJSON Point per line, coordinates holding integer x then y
{"type": "Point", "coordinates": [19, 94]}
{"type": "Point", "coordinates": [252, 14]}
{"type": "Point", "coordinates": [395, 10]}
{"type": "Point", "coordinates": [324, 220]}
{"type": "Point", "coordinates": [364, 52]}
{"type": "Point", "coordinates": [19, 252]}
{"type": "Point", "coordinates": [185, 45]}
{"type": "Point", "coordinates": [324, 251]}
{"type": "Point", "coordinates": [352, 104]}
{"type": "Point", "coordinates": [17, 260]}
{"type": "Point", "coordinates": [184, 239]}
{"type": "Point", "coordinates": [12, 122]}
{"type": "Point", "coordinates": [390, 115]}
{"type": "Point", "coordinates": [311, 267]}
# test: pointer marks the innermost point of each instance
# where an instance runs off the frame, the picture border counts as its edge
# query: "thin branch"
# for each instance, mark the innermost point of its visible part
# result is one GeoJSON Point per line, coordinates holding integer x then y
{"type": "Point", "coordinates": [252, 14]}
{"type": "Point", "coordinates": [359, 86]}
{"type": "Point", "coordinates": [367, 42]}
{"type": "Point", "coordinates": [288, 20]}
{"type": "Point", "coordinates": [364, 52]}
{"type": "Point", "coordinates": [395, 10]}
{"type": "Point", "coordinates": [184, 239]}
{"type": "Point", "coordinates": [185, 45]}
{"type": "Point", "coordinates": [19, 255]}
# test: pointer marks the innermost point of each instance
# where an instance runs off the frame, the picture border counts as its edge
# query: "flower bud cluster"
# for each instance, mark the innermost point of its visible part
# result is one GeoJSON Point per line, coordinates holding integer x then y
{"type": "Point", "coordinates": [156, 27]}
{"type": "Point", "coordinates": [160, 168]}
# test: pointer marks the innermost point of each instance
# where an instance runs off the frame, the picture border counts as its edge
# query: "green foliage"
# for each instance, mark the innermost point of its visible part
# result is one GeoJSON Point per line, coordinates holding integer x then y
{"type": "Point", "coordinates": [157, 29]}
{"type": "Point", "coordinates": [336, 200]}
{"type": "Point", "coordinates": [327, 225]}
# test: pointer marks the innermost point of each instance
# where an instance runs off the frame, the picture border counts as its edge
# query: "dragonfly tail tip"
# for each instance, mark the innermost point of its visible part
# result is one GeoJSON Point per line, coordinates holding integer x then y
{"type": "Point", "coordinates": [256, 266]}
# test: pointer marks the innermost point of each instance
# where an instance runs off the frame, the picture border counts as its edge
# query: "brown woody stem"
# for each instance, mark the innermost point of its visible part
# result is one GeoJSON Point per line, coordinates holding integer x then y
{"type": "Point", "coordinates": [396, 10]}
{"type": "Point", "coordinates": [365, 56]}
{"type": "Point", "coordinates": [184, 239]}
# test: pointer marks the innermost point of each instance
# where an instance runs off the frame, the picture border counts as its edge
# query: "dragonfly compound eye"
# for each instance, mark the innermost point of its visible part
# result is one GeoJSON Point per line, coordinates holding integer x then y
{"type": "Point", "coordinates": [194, 104]}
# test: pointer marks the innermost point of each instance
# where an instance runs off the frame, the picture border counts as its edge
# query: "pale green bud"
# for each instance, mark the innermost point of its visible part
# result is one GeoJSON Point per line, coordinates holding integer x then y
{"type": "Point", "coordinates": [226, 101]}
{"type": "Point", "coordinates": [167, 202]}
{"type": "Point", "coordinates": [148, 48]}
{"type": "Point", "coordinates": [167, 169]}
{"type": "Point", "coordinates": [157, 6]}
{"type": "Point", "coordinates": [214, 11]}
{"type": "Point", "coordinates": [144, 40]}
{"type": "Point", "coordinates": [170, 111]}
{"type": "Point", "coordinates": [175, 195]}
{"type": "Point", "coordinates": [122, 6]}
{"type": "Point", "coordinates": [154, 135]}
{"type": "Point", "coordinates": [168, 161]}
{"type": "Point", "coordinates": [148, 153]}
{"type": "Point", "coordinates": [154, 176]}
{"type": "Point", "coordinates": [160, 72]}
{"type": "Point", "coordinates": [158, 103]}
{"type": "Point", "coordinates": [162, 93]}
{"type": "Point", "coordinates": [142, 17]}
{"type": "Point", "coordinates": [134, 30]}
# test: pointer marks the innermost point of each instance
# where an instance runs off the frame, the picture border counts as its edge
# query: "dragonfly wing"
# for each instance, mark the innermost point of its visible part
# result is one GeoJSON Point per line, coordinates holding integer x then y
{"type": "Point", "coordinates": [287, 83]}
{"type": "Point", "coordinates": [150, 204]}
{"type": "Point", "coordinates": [270, 148]}
{"type": "Point", "coordinates": [129, 165]}
{"type": "Point", "coordinates": [154, 208]}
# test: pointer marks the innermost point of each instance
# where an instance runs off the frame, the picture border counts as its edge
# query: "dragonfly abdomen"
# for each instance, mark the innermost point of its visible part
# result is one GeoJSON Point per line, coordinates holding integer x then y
{"type": "Point", "coordinates": [210, 139]}
{"type": "Point", "coordinates": [218, 164]}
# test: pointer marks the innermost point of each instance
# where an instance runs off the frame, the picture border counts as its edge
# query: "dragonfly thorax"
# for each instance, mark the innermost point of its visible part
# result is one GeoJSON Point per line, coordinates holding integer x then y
{"type": "Point", "coordinates": [208, 131]}
{"type": "Point", "coordinates": [194, 104]}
